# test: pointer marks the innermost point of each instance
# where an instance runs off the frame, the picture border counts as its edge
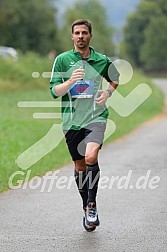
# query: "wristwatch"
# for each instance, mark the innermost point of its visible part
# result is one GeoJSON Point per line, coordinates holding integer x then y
{"type": "Point", "coordinates": [109, 92]}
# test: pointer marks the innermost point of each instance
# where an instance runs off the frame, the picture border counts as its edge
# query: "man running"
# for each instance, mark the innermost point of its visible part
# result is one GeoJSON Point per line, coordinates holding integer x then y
{"type": "Point", "coordinates": [77, 77]}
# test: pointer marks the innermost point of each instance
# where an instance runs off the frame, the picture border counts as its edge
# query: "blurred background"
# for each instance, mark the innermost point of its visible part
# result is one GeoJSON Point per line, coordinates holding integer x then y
{"type": "Point", "coordinates": [132, 29]}
{"type": "Point", "coordinates": [33, 32]}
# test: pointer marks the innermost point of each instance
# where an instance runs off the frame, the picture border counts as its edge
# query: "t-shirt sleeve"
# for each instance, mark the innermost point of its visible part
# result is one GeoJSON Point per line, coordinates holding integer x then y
{"type": "Point", "coordinates": [111, 73]}
{"type": "Point", "coordinates": [56, 76]}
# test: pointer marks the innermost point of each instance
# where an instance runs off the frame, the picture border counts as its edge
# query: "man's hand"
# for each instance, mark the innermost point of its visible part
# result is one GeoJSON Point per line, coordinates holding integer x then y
{"type": "Point", "coordinates": [77, 74]}
{"type": "Point", "coordinates": [63, 88]}
{"type": "Point", "coordinates": [101, 100]}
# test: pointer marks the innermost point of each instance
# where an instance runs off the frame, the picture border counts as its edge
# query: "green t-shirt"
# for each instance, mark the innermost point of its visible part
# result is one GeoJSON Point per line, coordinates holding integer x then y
{"type": "Point", "coordinates": [80, 112]}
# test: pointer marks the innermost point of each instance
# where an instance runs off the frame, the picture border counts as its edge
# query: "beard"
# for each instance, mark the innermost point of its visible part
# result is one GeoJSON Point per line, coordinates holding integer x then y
{"type": "Point", "coordinates": [81, 44]}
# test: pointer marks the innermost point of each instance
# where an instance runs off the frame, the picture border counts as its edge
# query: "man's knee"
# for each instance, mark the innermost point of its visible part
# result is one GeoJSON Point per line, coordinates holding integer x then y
{"type": "Point", "coordinates": [80, 165]}
{"type": "Point", "coordinates": [91, 159]}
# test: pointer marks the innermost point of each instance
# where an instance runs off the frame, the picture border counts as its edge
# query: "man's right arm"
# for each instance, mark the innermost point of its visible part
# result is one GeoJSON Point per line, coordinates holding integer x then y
{"type": "Point", "coordinates": [63, 88]}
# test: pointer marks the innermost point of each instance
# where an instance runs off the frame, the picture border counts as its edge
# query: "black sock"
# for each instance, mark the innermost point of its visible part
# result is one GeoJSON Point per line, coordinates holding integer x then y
{"type": "Point", "coordinates": [80, 179]}
{"type": "Point", "coordinates": [93, 173]}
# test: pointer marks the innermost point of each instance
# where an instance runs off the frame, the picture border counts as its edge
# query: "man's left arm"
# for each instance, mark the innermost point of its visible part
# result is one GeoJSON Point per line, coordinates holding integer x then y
{"type": "Point", "coordinates": [105, 94]}
{"type": "Point", "coordinates": [112, 77]}
{"type": "Point", "coordinates": [111, 87]}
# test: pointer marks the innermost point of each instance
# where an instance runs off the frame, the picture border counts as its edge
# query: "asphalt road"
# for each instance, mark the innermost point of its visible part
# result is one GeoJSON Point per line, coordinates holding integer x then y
{"type": "Point", "coordinates": [132, 201]}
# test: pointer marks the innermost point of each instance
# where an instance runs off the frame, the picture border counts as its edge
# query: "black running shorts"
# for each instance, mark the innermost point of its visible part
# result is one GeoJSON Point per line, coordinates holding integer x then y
{"type": "Point", "coordinates": [77, 139]}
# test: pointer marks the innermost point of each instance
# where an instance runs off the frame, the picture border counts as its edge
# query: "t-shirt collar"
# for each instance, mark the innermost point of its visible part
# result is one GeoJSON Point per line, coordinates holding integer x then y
{"type": "Point", "coordinates": [92, 54]}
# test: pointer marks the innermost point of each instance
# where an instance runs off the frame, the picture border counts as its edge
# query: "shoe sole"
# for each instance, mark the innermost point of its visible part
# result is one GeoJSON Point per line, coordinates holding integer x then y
{"type": "Point", "coordinates": [88, 229]}
{"type": "Point", "coordinates": [93, 224]}
{"type": "Point", "coordinates": [96, 223]}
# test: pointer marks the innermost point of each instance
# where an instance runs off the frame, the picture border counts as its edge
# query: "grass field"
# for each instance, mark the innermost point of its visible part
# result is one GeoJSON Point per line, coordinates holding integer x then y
{"type": "Point", "coordinates": [19, 130]}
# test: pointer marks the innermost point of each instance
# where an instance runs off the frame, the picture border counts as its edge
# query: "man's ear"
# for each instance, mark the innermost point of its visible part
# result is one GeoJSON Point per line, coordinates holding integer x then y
{"type": "Point", "coordinates": [72, 37]}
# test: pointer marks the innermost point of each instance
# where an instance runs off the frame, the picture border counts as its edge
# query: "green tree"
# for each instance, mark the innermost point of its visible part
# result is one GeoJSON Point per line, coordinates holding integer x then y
{"type": "Point", "coordinates": [153, 54]}
{"type": "Point", "coordinates": [96, 13]}
{"type": "Point", "coordinates": [138, 30]}
{"type": "Point", "coordinates": [28, 25]}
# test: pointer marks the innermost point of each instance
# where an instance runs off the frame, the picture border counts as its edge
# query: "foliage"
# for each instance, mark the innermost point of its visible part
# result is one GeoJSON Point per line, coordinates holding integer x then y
{"type": "Point", "coordinates": [155, 56]}
{"type": "Point", "coordinates": [16, 75]}
{"type": "Point", "coordinates": [145, 34]}
{"type": "Point", "coordinates": [28, 25]}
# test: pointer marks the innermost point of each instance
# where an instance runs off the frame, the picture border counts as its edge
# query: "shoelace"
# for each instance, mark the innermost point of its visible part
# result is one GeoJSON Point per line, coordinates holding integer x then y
{"type": "Point", "coordinates": [92, 212]}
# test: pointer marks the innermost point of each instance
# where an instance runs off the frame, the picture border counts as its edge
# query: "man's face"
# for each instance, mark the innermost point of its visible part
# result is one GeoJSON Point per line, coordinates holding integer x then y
{"type": "Point", "coordinates": [81, 36]}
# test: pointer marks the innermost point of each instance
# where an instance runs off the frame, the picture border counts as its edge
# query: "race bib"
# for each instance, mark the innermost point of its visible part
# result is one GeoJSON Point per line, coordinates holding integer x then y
{"type": "Point", "coordinates": [82, 89]}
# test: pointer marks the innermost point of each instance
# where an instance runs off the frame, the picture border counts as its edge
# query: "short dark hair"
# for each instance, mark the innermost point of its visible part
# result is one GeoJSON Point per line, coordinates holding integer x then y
{"type": "Point", "coordinates": [82, 22]}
